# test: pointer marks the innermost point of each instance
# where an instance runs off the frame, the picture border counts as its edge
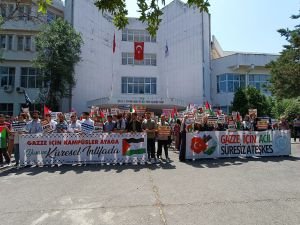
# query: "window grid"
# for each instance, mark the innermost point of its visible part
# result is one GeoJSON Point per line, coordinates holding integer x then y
{"type": "Point", "coordinates": [128, 59]}
{"type": "Point", "coordinates": [30, 78]}
{"type": "Point", "coordinates": [259, 81]}
{"type": "Point", "coordinates": [2, 41]}
{"type": "Point", "coordinates": [10, 42]}
{"type": "Point", "coordinates": [137, 35]}
{"type": "Point", "coordinates": [227, 83]}
{"type": "Point", "coordinates": [6, 108]}
{"type": "Point", "coordinates": [138, 85]}
{"type": "Point", "coordinates": [7, 76]}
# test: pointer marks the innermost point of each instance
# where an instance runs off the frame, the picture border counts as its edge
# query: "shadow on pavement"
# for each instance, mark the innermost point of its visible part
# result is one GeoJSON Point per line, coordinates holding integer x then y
{"type": "Point", "coordinates": [222, 162]}
{"type": "Point", "coordinates": [35, 170]}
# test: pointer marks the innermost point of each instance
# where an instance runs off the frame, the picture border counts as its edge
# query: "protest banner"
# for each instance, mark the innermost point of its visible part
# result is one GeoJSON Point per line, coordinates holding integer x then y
{"type": "Point", "coordinates": [46, 127]}
{"type": "Point", "coordinates": [72, 148]}
{"type": "Point", "coordinates": [219, 144]}
{"type": "Point", "coordinates": [18, 126]}
{"type": "Point", "coordinates": [87, 128]}
{"type": "Point", "coordinates": [253, 112]}
{"type": "Point", "coordinates": [212, 120]}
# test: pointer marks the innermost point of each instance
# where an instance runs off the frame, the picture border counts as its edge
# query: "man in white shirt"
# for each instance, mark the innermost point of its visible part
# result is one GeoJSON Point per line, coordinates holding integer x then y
{"type": "Point", "coordinates": [87, 125]}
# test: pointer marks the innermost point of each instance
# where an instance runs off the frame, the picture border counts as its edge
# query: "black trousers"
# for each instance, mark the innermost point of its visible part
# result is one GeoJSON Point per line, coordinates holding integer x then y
{"type": "Point", "coordinates": [151, 148]}
{"type": "Point", "coordinates": [3, 152]}
{"type": "Point", "coordinates": [161, 143]}
{"type": "Point", "coordinates": [182, 147]}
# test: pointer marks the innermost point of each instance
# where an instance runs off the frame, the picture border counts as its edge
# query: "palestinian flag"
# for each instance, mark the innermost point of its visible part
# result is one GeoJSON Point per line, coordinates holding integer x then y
{"type": "Point", "coordinates": [133, 146]}
{"type": "Point", "coordinates": [3, 137]}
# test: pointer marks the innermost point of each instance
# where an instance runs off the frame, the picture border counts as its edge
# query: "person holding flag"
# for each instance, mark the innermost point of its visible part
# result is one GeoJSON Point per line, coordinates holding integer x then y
{"type": "Point", "coordinates": [4, 133]}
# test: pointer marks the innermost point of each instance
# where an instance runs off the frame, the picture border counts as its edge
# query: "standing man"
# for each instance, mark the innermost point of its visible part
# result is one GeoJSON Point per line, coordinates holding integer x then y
{"type": "Point", "coordinates": [149, 127]}
{"type": "Point", "coordinates": [4, 132]}
{"type": "Point", "coordinates": [134, 125]}
{"type": "Point", "coordinates": [35, 125]}
{"type": "Point", "coordinates": [51, 121]}
{"type": "Point", "coordinates": [109, 125]}
{"type": "Point", "coordinates": [164, 133]}
{"type": "Point", "coordinates": [87, 125]}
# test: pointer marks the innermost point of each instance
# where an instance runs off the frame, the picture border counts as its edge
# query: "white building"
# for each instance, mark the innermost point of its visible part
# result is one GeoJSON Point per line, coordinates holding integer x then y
{"type": "Point", "coordinates": [181, 64]}
{"type": "Point", "coordinates": [162, 80]}
{"type": "Point", "coordinates": [18, 48]}
{"type": "Point", "coordinates": [234, 70]}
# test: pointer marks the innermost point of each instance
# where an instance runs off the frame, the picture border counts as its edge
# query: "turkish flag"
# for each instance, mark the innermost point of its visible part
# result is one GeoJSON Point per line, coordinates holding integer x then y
{"type": "Point", "coordinates": [139, 50]}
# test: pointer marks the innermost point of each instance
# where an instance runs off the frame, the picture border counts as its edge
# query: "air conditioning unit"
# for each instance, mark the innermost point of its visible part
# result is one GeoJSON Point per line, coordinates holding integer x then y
{"type": "Point", "coordinates": [20, 90]}
{"type": "Point", "coordinates": [8, 88]}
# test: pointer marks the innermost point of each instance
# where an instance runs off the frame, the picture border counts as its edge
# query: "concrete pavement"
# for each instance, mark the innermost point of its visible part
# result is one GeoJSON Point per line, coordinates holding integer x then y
{"type": "Point", "coordinates": [210, 192]}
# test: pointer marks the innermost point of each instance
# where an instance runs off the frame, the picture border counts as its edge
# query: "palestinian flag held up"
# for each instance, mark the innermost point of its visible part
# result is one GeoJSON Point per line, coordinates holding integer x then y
{"type": "Point", "coordinates": [133, 146]}
{"type": "Point", "coordinates": [3, 137]}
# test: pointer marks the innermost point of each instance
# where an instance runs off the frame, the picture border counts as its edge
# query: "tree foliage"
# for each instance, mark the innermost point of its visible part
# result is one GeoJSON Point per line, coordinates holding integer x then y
{"type": "Point", "coordinates": [250, 98]}
{"type": "Point", "coordinates": [285, 71]}
{"type": "Point", "coordinates": [58, 50]}
{"type": "Point", "coordinates": [149, 9]}
{"type": "Point", "coordinates": [286, 107]}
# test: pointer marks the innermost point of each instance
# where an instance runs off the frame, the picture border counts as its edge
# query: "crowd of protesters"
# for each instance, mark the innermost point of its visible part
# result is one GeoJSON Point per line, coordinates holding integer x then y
{"type": "Point", "coordinates": [130, 122]}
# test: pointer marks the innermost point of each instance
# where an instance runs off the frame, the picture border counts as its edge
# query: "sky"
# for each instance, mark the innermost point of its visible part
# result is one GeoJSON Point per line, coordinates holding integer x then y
{"type": "Point", "coordinates": [247, 25]}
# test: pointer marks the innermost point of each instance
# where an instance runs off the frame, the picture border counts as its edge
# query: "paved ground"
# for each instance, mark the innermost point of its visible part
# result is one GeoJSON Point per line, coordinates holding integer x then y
{"type": "Point", "coordinates": [258, 191]}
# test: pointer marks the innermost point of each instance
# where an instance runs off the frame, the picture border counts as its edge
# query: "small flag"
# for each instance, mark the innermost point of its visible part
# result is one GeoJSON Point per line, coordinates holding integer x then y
{"type": "Point", "coordinates": [166, 49]}
{"type": "Point", "coordinates": [133, 146]}
{"type": "Point", "coordinates": [114, 43]}
{"type": "Point", "coordinates": [46, 110]}
{"type": "Point", "coordinates": [27, 99]}
{"type": "Point", "coordinates": [132, 109]}
{"type": "Point", "coordinates": [207, 105]}
{"type": "Point", "coordinates": [139, 50]}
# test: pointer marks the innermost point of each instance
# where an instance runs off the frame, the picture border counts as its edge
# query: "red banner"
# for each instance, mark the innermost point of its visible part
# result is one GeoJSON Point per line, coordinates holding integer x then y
{"type": "Point", "coordinates": [139, 50]}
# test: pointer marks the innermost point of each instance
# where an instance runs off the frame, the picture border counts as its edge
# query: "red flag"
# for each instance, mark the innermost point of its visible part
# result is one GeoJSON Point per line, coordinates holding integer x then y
{"type": "Point", "coordinates": [114, 43]}
{"type": "Point", "coordinates": [102, 114]}
{"type": "Point", "coordinates": [139, 50]}
{"type": "Point", "coordinates": [207, 106]}
{"type": "Point", "coordinates": [46, 110]}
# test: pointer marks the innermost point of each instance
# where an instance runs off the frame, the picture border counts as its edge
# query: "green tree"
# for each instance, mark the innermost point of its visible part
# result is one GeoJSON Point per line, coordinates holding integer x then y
{"type": "Point", "coordinates": [286, 107]}
{"type": "Point", "coordinates": [149, 10]}
{"type": "Point", "coordinates": [239, 102]}
{"type": "Point", "coordinates": [58, 51]}
{"type": "Point", "coordinates": [285, 71]}
{"type": "Point", "coordinates": [250, 98]}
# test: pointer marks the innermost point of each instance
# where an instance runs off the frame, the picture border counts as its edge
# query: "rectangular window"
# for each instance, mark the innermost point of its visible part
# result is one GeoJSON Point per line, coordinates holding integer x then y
{"type": "Point", "coordinates": [137, 35]}
{"type": "Point", "coordinates": [6, 108]}
{"type": "Point", "coordinates": [260, 82]}
{"type": "Point", "coordinates": [138, 85]}
{"type": "Point", "coordinates": [11, 8]}
{"type": "Point", "coordinates": [128, 59]}
{"type": "Point", "coordinates": [3, 41]}
{"type": "Point", "coordinates": [30, 78]}
{"type": "Point", "coordinates": [20, 43]}
{"type": "Point", "coordinates": [27, 43]}
{"type": "Point", "coordinates": [3, 10]}
{"type": "Point", "coordinates": [7, 76]}
{"type": "Point", "coordinates": [10, 42]}
{"type": "Point", "coordinates": [227, 83]}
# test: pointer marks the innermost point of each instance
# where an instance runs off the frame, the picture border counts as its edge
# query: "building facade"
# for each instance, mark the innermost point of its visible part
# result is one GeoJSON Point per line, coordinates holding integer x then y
{"type": "Point", "coordinates": [176, 67]}
{"type": "Point", "coordinates": [18, 50]}
{"type": "Point", "coordinates": [234, 70]}
{"type": "Point", "coordinates": [183, 64]}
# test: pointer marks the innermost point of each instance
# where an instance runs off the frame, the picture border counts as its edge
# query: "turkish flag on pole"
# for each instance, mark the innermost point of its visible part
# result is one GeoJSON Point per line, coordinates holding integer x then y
{"type": "Point", "coordinates": [139, 50]}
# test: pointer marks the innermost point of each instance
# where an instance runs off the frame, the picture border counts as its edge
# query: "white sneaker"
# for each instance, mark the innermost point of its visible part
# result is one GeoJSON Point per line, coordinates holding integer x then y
{"type": "Point", "coordinates": [167, 160]}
